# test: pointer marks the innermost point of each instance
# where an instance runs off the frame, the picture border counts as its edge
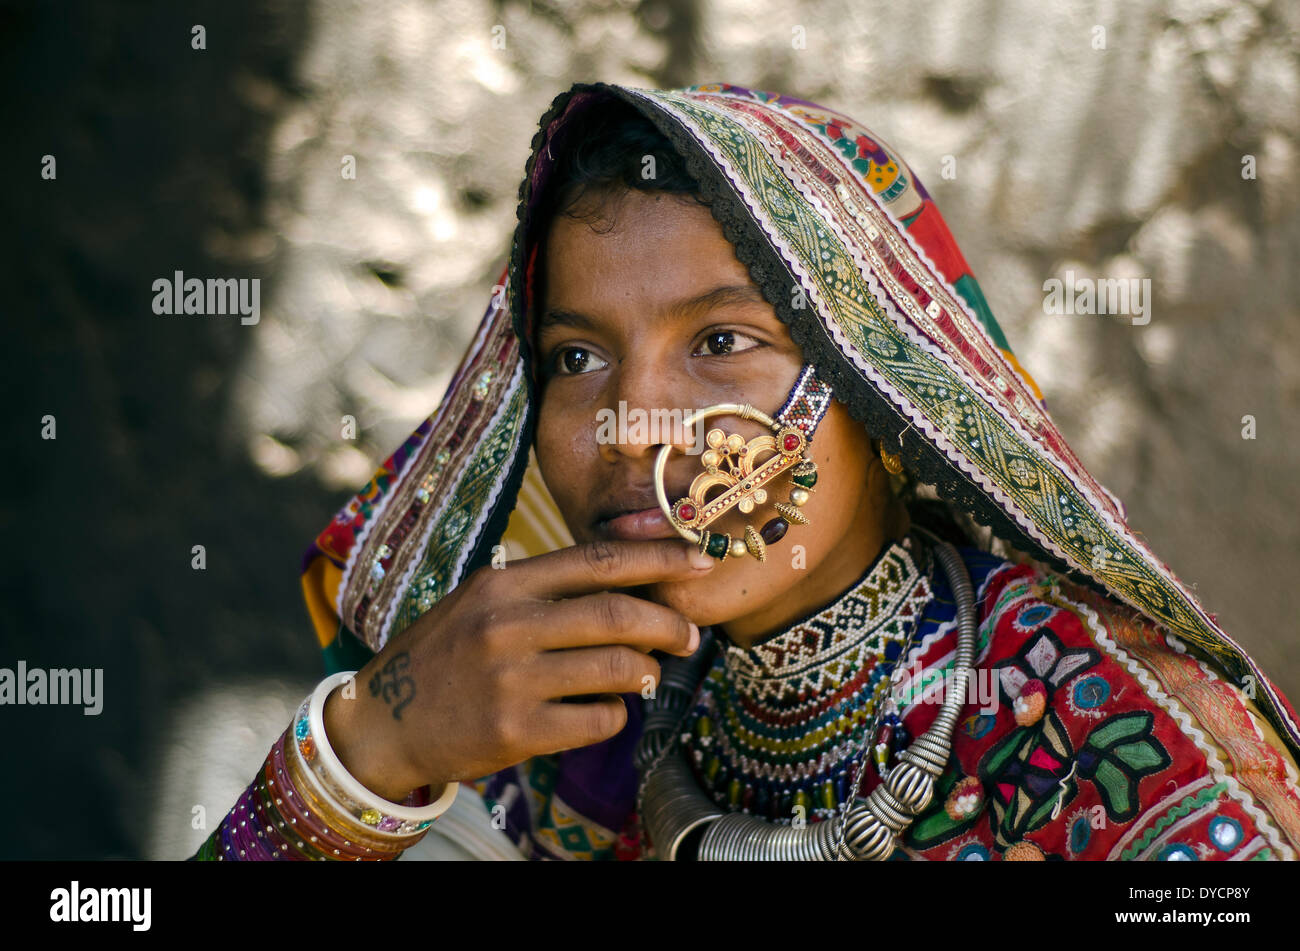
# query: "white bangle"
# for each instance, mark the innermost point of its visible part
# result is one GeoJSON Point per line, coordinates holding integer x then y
{"type": "Point", "coordinates": [367, 807]}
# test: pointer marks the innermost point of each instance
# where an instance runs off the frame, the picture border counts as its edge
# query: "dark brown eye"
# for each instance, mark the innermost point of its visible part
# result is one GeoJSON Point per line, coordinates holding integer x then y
{"type": "Point", "coordinates": [722, 342]}
{"type": "Point", "coordinates": [573, 361]}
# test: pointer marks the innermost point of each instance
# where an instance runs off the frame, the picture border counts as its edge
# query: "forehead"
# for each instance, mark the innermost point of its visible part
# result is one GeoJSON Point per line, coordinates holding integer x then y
{"type": "Point", "coordinates": [640, 254]}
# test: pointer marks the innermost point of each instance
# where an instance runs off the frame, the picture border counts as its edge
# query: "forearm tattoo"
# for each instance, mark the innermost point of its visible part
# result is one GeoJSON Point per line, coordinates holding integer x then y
{"type": "Point", "coordinates": [392, 683]}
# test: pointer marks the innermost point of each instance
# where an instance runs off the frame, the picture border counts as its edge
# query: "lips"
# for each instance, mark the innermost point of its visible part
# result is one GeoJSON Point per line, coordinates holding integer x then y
{"type": "Point", "coordinates": [635, 514]}
{"type": "Point", "coordinates": [639, 526]}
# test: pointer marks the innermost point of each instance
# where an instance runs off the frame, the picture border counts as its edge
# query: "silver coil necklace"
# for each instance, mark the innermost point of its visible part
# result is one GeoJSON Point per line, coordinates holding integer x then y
{"type": "Point", "coordinates": [682, 822]}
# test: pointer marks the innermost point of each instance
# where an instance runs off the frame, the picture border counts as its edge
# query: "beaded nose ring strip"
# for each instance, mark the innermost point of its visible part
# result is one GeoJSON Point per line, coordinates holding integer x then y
{"type": "Point", "coordinates": [745, 469]}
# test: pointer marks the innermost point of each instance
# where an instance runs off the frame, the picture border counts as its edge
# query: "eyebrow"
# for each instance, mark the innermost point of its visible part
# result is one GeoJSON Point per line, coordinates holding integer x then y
{"type": "Point", "coordinates": [722, 296]}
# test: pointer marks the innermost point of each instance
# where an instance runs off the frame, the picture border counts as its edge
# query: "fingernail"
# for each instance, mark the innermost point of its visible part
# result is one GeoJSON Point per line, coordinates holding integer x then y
{"type": "Point", "coordinates": [694, 642]}
{"type": "Point", "coordinates": [699, 559]}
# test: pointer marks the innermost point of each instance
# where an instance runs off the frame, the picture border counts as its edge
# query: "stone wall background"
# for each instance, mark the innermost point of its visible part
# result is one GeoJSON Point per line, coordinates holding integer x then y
{"type": "Point", "coordinates": [1122, 162]}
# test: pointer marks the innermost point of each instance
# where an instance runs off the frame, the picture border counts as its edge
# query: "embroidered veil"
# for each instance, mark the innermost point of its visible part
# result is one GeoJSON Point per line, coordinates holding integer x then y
{"type": "Point", "coordinates": [895, 322]}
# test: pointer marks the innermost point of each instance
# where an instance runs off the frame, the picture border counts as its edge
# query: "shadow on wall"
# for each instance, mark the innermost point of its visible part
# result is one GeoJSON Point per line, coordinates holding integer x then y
{"type": "Point", "coordinates": [159, 150]}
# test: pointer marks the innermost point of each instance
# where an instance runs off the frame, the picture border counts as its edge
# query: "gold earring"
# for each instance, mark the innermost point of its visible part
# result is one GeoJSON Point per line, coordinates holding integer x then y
{"type": "Point", "coordinates": [892, 461]}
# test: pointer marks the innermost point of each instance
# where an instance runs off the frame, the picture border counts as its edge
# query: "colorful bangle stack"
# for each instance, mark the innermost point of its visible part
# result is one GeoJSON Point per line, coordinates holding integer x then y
{"type": "Point", "coordinates": [305, 806]}
{"type": "Point", "coordinates": [373, 814]}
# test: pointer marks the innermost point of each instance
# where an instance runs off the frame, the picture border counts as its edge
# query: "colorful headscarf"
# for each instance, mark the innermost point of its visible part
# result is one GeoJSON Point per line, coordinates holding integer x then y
{"type": "Point", "coordinates": [895, 322]}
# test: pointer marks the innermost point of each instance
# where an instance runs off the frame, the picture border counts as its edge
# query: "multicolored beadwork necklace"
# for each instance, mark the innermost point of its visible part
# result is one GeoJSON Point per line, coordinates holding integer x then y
{"type": "Point", "coordinates": [776, 729]}
{"type": "Point", "coordinates": [679, 820]}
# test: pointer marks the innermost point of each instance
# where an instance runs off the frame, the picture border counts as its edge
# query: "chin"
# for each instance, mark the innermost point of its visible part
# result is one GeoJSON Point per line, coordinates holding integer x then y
{"type": "Point", "coordinates": [706, 601]}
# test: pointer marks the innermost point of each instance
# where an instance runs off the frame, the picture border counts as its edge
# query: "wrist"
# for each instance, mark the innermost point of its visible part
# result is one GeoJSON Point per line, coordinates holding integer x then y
{"type": "Point", "coordinates": [363, 752]}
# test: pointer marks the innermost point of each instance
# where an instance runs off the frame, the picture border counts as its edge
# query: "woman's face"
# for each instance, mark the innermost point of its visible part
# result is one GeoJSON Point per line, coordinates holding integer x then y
{"type": "Point", "coordinates": [659, 314]}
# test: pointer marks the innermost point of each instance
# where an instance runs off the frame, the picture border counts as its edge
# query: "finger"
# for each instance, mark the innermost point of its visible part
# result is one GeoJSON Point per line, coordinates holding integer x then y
{"type": "Point", "coordinates": [611, 617]}
{"type": "Point", "coordinates": [593, 670]}
{"type": "Point", "coordinates": [570, 726]}
{"type": "Point", "coordinates": [602, 565]}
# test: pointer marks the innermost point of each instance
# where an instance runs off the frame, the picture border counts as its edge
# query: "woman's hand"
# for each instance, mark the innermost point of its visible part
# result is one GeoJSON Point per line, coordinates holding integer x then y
{"type": "Point", "coordinates": [475, 684]}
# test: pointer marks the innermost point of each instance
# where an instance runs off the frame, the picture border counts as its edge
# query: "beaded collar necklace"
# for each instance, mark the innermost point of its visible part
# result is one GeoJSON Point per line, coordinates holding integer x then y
{"type": "Point", "coordinates": [682, 820]}
{"type": "Point", "coordinates": [777, 729]}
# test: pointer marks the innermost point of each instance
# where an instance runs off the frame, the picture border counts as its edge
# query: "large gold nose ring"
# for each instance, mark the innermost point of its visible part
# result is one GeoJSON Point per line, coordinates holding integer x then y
{"type": "Point", "coordinates": [744, 470]}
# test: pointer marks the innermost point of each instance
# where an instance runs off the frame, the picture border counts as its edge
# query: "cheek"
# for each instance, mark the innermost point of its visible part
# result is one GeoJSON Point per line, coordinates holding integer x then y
{"type": "Point", "coordinates": [840, 485]}
{"type": "Point", "coordinates": [843, 454]}
{"type": "Point", "coordinates": [561, 437]}
{"type": "Point", "coordinates": [566, 456]}
{"type": "Point", "coordinates": [834, 505]}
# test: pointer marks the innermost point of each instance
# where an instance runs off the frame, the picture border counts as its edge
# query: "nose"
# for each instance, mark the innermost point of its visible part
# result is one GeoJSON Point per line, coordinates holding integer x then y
{"type": "Point", "coordinates": [649, 402]}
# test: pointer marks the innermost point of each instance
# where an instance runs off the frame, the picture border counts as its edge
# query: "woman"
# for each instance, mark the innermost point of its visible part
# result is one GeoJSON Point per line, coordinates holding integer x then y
{"type": "Point", "coordinates": [537, 656]}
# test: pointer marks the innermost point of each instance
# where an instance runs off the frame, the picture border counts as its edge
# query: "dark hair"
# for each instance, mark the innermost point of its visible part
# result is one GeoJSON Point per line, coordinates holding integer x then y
{"type": "Point", "coordinates": [601, 154]}
{"type": "Point", "coordinates": [606, 157]}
